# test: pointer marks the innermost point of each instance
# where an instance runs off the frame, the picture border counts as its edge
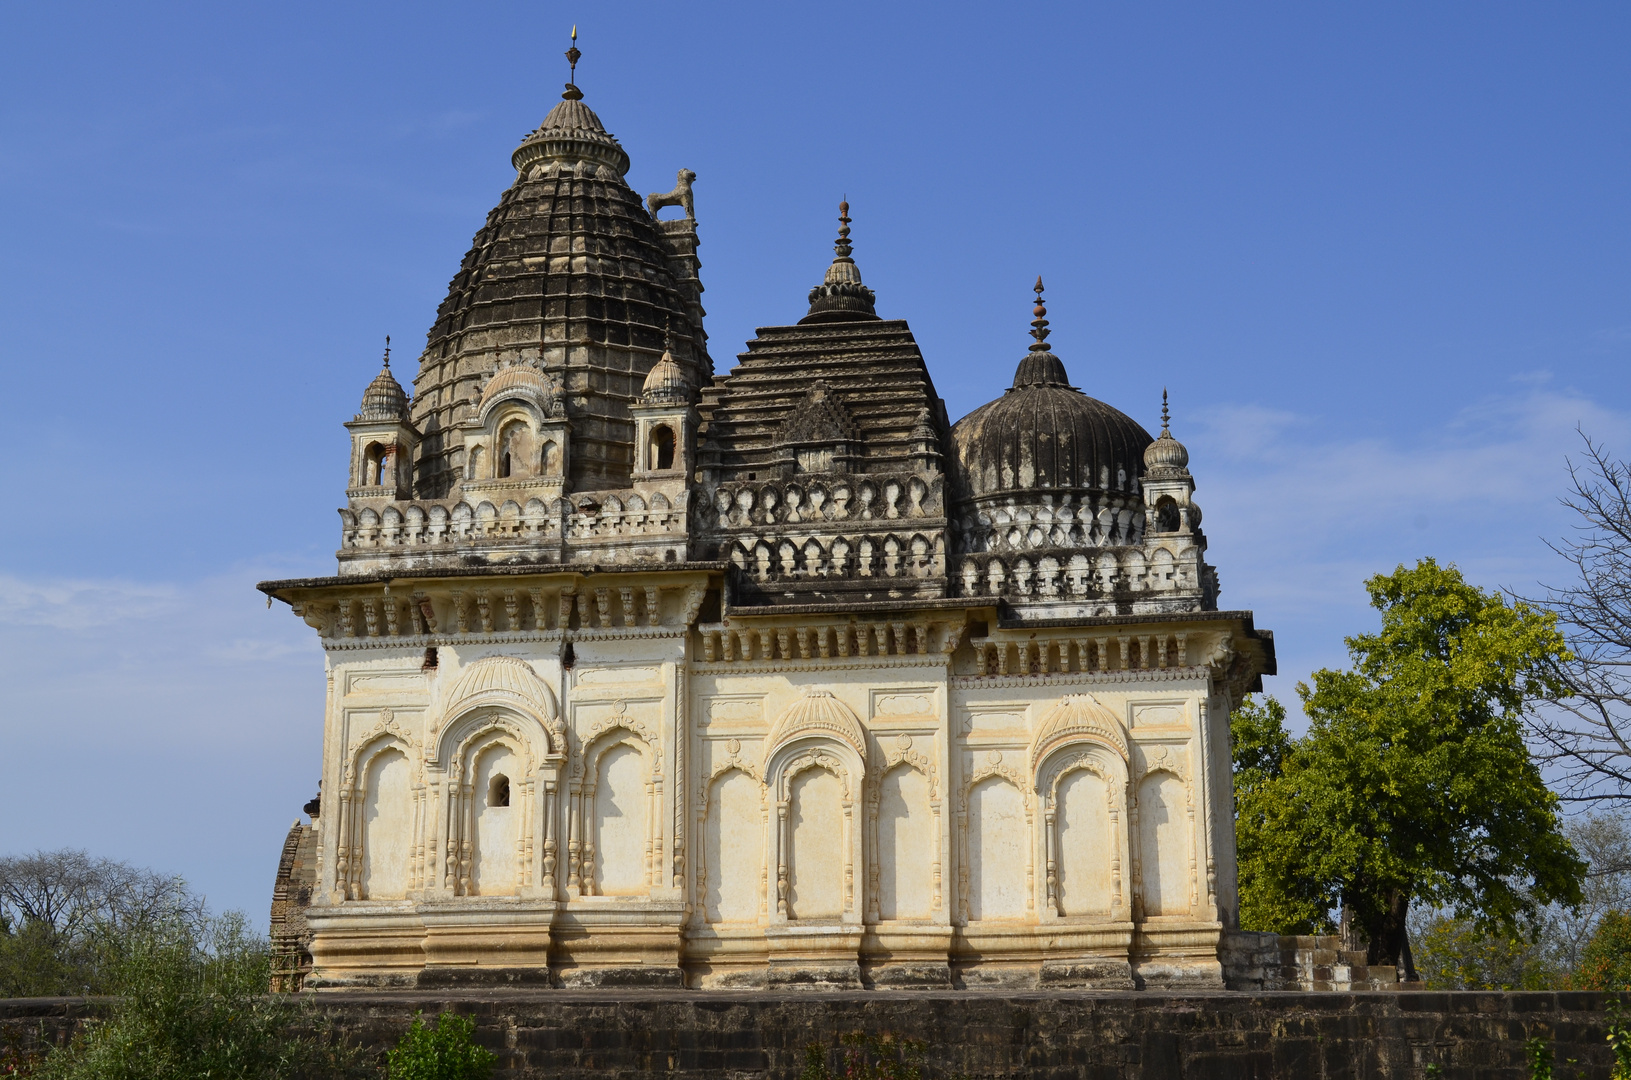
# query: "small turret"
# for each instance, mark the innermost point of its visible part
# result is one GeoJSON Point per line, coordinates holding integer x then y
{"type": "Point", "coordinates": [383, 440]}
{"type": "Point", "coordinates": [665, 423]}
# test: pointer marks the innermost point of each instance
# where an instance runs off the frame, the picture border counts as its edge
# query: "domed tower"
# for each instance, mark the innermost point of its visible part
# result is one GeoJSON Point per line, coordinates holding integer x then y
{"type": "Point", "coordinates": [383, 440]}
{"type": "Point", "coordinates": [1050, 515]}
{"type": "Point", "coordinates": [574, 277]}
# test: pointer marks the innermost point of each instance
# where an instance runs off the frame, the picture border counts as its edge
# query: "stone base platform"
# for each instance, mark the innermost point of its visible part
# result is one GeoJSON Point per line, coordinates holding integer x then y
{"type": "Point", "coordinates": [578, 1035]}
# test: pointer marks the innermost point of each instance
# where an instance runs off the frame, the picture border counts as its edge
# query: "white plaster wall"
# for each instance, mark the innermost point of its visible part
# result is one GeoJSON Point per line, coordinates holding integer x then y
{"type": "Point", "coordinates": [997, 839]}
{"type": "Point", "coordinates": [1085, 845]}
{"type": "Point", "coordinates": [734, 849]}
{"type": "Point", "coordinates": [906, 846]}
{"type": "Point", "coordinates": [816, 824]}
{"type": "Point", "coordinates": [620, 822]}
{"type": "Point", "coordinates": [1163, 826]}
{"type": "Point", "coordinates": [387, 827]}
{"type": "Point", "coordinates": [498, 828]}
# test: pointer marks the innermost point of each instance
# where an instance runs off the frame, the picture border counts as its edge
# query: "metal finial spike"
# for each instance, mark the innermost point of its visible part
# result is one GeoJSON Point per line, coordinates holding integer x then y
{"type": "Point", "coordinates": [1165, 425]}
{"type": "Point", "coordinates": [572, 56]}
{"type": "Point", "coordinates": [387, 352]}
{"type": "Point", "coordinates": [1039, 325]}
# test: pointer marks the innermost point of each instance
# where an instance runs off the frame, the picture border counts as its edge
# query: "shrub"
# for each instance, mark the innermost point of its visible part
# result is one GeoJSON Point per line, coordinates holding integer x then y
{"type": "Point", "coordinates": [444, 1052]}
{"type": "Point", "coordinates": [193, 1006]}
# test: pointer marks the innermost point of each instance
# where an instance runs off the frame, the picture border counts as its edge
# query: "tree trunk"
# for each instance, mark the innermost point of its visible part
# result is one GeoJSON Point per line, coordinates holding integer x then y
{"type": "Point", "coordinates": [1390, 938]}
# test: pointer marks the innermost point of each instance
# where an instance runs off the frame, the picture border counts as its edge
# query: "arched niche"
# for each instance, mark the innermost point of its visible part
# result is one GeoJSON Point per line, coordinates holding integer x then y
{"type": "Point", "coordinates": [906, 845]}
{"type": "Point", "coordinates": [615, 845]}
{"type": "Point", "coordinates": [732, 853]}
{"type": "Point", "coordinates": [815, 842]}
{"type": "Point", "coordinates": [379, 821]}
{"type": "Point", "coordinates": [998, 867]}
{"type": "Point", "coordinates": [499, 782]}
{"type": "Point", "coordinates": [1082, 784]}
{"type": "Point", "coordinates": [1166, 845]}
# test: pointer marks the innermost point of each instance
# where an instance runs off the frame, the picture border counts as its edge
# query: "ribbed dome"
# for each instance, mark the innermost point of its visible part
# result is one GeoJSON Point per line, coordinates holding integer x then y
{"type": "Point", "coordinates": [1047, 436]}
{"type": "Point", "coordinates": [571, 131]}
{"type": "Point", "coordinates": [384, 399]}
{"type": "Point", "coordinates": [665, 384]}
{"type": "Point", "coordinates": [507, 677]}
{"type": "Point", "coordinates": [519, 382]}
{"type": "Point", "coordinates": [1166, 454]}
{"type": "Point", "coordinates": [569, 274]}
{"type": "Point", "coordinates": [817, 713]}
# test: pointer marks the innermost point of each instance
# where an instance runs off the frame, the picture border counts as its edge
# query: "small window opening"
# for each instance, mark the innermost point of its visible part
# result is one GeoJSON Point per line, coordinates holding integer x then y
{"type": "Point", "coordinates": [504, 464]}
{"type": "Point", "coordinates": [373, 465]}
{"type": "Point", "coordinates": [662, 447]}
{"type": "Point", "coordinates": [430, 660]}
{"type": "Point", "coordinates": [1166, 514]}
{"type": "Point", "coordinates": [473, 471]}
{"type": "Point", "coordinates": [545, 465]}
{"type": "Point", "coordinates": [498, 791]}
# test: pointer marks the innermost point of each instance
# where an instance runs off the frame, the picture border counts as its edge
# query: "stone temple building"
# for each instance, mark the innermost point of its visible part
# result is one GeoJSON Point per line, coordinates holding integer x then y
{"type": "Point", "coordinates": [642, 673]}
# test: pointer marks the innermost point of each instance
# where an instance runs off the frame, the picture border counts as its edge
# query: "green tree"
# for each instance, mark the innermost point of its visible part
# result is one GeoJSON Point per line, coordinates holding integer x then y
{"type": "Point", "coordinates": [1605, 962]}
{"type": "Point", "coordinates": [1414, 782]}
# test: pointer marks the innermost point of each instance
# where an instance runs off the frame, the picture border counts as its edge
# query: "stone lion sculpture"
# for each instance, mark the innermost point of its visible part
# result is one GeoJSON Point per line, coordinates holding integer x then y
{"type": "Point", "coordinates": [680, 196]}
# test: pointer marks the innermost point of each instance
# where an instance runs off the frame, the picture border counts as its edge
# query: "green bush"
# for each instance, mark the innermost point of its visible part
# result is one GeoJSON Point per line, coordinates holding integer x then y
{"type": "Point", "coordinates": [444, 1052]}
{"type": "Point", "coordinates": [1605, 962]}
{"type": "Point", "coordinates": [193, 1006]}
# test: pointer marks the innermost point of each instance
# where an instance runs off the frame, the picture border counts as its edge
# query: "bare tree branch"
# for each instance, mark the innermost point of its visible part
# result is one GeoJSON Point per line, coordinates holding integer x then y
{"type": "Point", "coordinates": [1585, 739]}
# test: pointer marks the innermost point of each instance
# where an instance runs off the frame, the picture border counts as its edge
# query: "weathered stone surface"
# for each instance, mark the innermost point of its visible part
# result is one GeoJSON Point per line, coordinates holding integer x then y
{"type": "Point", "coordinates": [575, 1035]}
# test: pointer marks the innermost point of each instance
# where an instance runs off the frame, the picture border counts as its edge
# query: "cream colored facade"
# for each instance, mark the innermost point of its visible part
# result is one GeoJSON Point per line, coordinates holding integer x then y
{"type": "Point", "coordinates": [767, 798]}
{"type": "Point", "coordinates": [640, 674]}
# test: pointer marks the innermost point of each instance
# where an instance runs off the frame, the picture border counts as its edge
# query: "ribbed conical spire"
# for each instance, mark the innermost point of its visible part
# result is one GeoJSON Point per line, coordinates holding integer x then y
{"type": "Point", "coordinates": [571, 133]}
{"type": "Point", "coordinates": [841, 297]}
{"type": "Point", "coordinates": [384, 399]}
{"type": "Point", "coordinates": [1039, 366]}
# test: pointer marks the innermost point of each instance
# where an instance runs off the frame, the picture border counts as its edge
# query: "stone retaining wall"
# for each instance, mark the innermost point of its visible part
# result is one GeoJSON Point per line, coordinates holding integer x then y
{"type": "Point", "coordinates": [568, 1035]}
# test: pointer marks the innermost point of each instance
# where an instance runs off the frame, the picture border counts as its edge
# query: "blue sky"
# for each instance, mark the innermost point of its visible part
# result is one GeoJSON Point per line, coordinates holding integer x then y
{"type": "Point", "coordinates": [1380, 254]}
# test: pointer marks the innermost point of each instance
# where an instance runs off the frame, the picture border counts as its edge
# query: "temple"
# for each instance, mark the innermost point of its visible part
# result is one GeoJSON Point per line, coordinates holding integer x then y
{"type": "Point", "coordinates": [642, 674]}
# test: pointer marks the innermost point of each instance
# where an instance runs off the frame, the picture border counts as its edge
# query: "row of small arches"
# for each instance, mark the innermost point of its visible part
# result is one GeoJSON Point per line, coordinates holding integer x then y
{"type": "Point", "coordinates": [441, 524]}
{"type": "Point", "coordinates": [740, 505]}
{"type": "Point", "coordinates": [913, 555]}
{"type": "Point", "coordinates": [1079, 576]}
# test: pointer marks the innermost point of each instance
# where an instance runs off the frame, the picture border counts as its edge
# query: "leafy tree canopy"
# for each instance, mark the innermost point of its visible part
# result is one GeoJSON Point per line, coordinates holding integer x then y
{"type": "Point", "coordinates": [1414, 782]}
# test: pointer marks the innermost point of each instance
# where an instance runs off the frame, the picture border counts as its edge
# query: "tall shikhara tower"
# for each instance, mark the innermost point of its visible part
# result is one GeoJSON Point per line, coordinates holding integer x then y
{"type": "Point", "coordinates": [643, 675]}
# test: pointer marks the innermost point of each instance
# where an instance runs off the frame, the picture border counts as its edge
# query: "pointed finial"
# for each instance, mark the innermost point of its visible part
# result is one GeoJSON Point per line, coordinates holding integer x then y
{"type": "Point", "coordinates": [387, 352]}
{"type": "Point", "coordinates": [1165, 426]}
{"type": "Point", "coordinates": [1039, 325]}
{"type": "Point", "coordinates": [843, 247]}
{"type": "Point", "coordinates": [572, 92]}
